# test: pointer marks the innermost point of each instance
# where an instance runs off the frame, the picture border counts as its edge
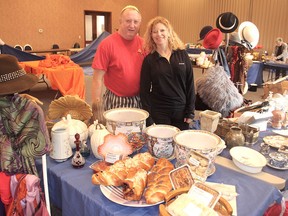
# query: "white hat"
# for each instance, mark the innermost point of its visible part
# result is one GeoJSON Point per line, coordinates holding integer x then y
{"type": "Point", "coordinates": [248, 34]}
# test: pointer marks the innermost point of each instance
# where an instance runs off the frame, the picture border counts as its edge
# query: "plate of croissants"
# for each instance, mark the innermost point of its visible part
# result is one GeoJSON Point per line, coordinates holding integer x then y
{"type": "Point", "coordinates": [137, 181]}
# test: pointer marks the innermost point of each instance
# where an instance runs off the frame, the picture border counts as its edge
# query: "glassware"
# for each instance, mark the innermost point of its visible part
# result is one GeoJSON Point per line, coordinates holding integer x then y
{"type": "Point", "coordinates": [265, 148]}
{"type": "Point", "coordinates": [78, 161]}
{"type": "Point", "coordinates": [85, 150]}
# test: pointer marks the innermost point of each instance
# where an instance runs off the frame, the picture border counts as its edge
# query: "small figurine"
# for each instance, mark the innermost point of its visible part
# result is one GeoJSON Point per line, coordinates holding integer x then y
{"type": "Point", "coordinates": [278, 119]}
{"type": "Point", "coordinates": [78, 160]}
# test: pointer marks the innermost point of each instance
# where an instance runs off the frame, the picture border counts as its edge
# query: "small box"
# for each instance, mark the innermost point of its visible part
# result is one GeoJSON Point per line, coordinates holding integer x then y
{"type": "Point", "coordinates": [181, 177]}
{"type": "Point", "coordinates": [278, 86]}
{"type": "Point", "coordinates": [199, 165]}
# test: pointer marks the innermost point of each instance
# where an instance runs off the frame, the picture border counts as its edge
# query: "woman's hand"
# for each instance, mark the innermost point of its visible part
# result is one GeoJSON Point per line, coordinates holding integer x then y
{"type": "Point", "coordinates": [188, 120]}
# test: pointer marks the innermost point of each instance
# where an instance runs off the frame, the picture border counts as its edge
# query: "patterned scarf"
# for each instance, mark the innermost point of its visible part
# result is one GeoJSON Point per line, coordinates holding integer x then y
{"type": "Point", "coordinates": [23, 135]}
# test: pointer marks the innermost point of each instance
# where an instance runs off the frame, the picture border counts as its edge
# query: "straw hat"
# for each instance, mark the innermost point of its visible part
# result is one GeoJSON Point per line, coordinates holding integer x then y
{"type": "Point", "coordinates": [227, 22]}
{"type": "Point", "coordinates": [13, 78]}
{"type": "Point", "coordinates": [204, 31]}
{"type": "Point", "coordinates": [248, 34]}
{"type": "Point", "coordinates": [213, 39]}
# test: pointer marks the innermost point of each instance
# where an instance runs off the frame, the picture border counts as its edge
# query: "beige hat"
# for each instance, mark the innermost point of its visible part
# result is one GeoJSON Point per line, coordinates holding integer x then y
{"type": "Point", "coordinates": [13, 78]}
{"type": "Point", "coordinates": [248, 34]}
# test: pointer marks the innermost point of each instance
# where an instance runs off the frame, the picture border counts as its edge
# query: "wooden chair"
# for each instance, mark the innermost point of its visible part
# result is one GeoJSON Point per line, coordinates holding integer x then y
{"type": "Point", "coordinates": [28, 47]}
{"type": "Point", "coordinates": [17, 46]}
{"type": "Point", "coordinates": [55, 46]}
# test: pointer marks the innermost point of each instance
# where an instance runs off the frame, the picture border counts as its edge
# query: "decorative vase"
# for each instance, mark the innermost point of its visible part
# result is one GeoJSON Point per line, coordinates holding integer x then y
{"type": "Point", "coordinates": [234, 137]}
{"type": "Point", "coordinates": [78, 161]}
{"type": "Point", "coordinates": [209, 120]}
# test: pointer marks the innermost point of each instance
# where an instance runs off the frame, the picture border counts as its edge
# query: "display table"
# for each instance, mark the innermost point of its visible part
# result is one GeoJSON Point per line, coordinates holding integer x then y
{"type": "Point", "coordinates": [69, 80]}
{"type": "Point", "coordinates": [255, 73]}
{"type": "Point", "coordinates": [72, 190]}
{"type": "Point", "coordinates": [283, 174]}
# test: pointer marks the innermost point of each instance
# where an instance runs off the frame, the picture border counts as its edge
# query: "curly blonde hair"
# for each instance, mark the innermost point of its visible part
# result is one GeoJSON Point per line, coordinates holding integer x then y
{"type": "Point", "coordinates": [174, 42]}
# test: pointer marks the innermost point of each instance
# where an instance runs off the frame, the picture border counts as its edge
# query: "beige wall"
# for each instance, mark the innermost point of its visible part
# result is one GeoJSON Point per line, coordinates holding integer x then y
{"type": "Point", "coordinates": [62, 21]}
{"type": "Point", "coordinates": [189, 16]}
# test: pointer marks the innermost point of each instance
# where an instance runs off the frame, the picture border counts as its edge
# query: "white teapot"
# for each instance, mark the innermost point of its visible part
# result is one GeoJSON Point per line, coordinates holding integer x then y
{"type": "Point", "coordinates": [74, 126]}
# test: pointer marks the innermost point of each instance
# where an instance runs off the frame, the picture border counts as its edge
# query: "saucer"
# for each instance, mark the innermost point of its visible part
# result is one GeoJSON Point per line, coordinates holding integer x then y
{"type": "Point", "coordinates": [275, 167]}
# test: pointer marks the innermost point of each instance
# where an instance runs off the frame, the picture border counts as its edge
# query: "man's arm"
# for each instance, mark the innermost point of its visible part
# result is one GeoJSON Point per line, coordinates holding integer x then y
{"type": "Point", "coordinates": [97, 85]}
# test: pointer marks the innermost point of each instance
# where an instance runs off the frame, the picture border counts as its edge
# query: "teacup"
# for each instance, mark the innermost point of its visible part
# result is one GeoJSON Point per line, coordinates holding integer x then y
{"type": "Point", "coordinates": [278, 159]}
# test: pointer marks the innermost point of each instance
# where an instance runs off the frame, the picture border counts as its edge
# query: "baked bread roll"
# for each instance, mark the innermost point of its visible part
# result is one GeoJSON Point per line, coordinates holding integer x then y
{"type": "Point", "coordinates": [158, 181]}
{"type": "Point", "coordinates": [142, 160]}
{"type": "Point", "coordinates": [115, 174]}
{"type": "Point", "coordinates": [134, 184]}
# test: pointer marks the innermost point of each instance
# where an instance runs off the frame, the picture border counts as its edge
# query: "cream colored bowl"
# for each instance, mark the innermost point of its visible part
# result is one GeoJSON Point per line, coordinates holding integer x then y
{"type": "Point", "coordinates": [248, 159]}
{"type": "Point", "coordinates": [204, 142]}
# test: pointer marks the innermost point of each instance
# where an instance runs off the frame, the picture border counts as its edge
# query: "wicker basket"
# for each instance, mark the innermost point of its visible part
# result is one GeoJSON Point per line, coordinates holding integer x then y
{"type": "Point", "coordinates": [222, 206]}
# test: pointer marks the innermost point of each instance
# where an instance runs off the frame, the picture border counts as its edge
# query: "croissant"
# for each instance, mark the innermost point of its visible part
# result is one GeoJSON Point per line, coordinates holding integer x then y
{"type": "Point", "coordinates": [158, 181]}
{"type": "Point", "coordinates": [134, 184]}
{"type": "Point", "coordinates": [115, 174]}
{"type": "Point", "coordinates": [142, 160]}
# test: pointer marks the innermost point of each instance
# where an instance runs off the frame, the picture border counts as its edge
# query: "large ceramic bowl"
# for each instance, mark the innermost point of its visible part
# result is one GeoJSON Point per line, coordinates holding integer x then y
{"type": "Point", "coordinates": [248, 159]}
{"type": "Point", "coordinates": [129, 121]}
{"type": "Point", "coordinates": [160, 140]}
{"type": "Point", "coordinates": [201, 141]}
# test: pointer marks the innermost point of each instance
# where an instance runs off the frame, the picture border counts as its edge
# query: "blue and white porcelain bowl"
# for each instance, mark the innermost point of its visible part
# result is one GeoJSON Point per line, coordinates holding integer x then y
{"type": "Point", "coordinates": [278, 159]}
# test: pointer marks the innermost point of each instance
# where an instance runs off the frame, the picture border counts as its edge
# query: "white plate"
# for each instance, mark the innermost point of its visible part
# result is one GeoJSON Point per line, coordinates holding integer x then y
{"type": "Point", "coordinates": [279, 168]}
{"type": "Point", "coordinates": [281, 132]}
{"type": "Point", "coordinates": [115, 194]}
{"type": "Point", "coordinates": [276, 141]}
{"type": "Point", "coordinates": [211, 171]}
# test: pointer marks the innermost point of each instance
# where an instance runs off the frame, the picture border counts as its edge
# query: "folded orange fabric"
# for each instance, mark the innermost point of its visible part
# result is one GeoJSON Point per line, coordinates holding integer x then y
{"type": "Point", "coordinates": [55, 61]}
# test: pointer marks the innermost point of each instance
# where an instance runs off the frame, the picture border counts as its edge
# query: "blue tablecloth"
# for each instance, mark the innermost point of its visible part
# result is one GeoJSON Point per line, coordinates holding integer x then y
{"type": "Point", "coordinates": [71, 190]}
{"type": "Point", "coordinates": [275, 65]}
{"type": "Point", "coordinates": [255, 74]}
{"type": "Point", "coordinates": [276, 172]}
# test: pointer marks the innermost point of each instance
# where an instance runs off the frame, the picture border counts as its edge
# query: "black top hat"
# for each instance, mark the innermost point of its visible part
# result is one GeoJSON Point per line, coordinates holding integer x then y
{"type": "Point", "coordinates": [227, 22]}
{"type": "Point", "coordinates": [204, 31]}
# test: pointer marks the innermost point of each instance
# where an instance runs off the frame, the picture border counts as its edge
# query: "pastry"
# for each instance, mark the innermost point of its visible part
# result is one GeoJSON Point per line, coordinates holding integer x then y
{"type": "Point", "coordinates": [115, 174]}
{"type": "Point", "coordinates": [158, 181]}
{"type": "Point", "coordinates": [134, 184]}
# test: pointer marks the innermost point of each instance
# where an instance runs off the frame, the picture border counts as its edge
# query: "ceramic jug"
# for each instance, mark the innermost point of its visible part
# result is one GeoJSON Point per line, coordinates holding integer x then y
{"type": "Point", "coordinates": [234, 137]}
{"type": "Point", "coordinates": [61, 149]}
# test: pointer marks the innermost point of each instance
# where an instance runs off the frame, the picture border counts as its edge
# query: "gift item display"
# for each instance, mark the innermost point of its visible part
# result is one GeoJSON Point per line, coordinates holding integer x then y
{"type": "Point", "coordinates": [192, 140]}
{"type": "Point", "coordinates": [74, 126]}
{"type": "Point", "coordinates": [78, 161]}
{"type": "Point", "coordinates": [250, 133]}
{"type": "Point", "coordinates": [97, 133]}
{"type": "Point", "coordinates": [61, 149]}
{"type": "Point", "coordinates": [234, 137]}
{"type": "Point", "coordinates": [248, 159]}
{"type": "Point", "coordinates": [209, 120]}
{"type": "Point", "coordinates": [115, 147]}
{"type": "Point", "coordinates": [160, 141]}
{"type": "Point", "coordinates": [129, 121]}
